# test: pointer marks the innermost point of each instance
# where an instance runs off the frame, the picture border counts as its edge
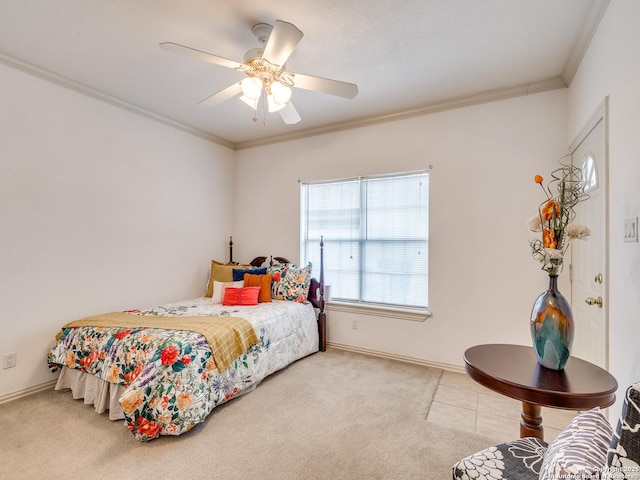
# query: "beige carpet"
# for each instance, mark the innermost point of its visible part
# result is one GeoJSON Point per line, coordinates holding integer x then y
{"type": "Point", "coordinates": [333, 415]}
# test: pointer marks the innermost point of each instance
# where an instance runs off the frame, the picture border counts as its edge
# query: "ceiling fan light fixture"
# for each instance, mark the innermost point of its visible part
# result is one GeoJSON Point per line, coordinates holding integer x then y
{"type": "Point", "coordinates": [273, 106]}
{"type": "Point", "coordinates": [265, 69]}
{"type": "Point", "coordinates": [251, 87]}
{"type": "Point", "coordinates": [252, 103]}
{"type": "Point", "coordinates": [281, 93]}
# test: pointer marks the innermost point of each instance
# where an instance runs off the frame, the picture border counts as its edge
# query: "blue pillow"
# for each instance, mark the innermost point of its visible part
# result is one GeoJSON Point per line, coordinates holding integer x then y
{"type": "Point", "coordinates": [239, 274]}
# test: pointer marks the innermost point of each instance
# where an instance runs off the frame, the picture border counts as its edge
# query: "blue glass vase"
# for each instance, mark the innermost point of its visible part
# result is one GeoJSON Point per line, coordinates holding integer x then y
{"type": "Point", "coordinates": [552, 327]}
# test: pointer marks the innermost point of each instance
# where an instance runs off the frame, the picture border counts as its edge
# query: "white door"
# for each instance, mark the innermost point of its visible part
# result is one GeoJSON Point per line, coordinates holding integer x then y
{"type": "Point", "coordinates": [589, 272]}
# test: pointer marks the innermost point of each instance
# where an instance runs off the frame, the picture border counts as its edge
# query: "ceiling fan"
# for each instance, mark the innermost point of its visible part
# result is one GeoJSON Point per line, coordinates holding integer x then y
{"type": "Point", "coordinates": [265, 70]}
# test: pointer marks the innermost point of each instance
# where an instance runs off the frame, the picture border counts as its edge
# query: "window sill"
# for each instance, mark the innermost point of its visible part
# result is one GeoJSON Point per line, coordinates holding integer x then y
{"type": "Point", "coordinates": [380, 311]}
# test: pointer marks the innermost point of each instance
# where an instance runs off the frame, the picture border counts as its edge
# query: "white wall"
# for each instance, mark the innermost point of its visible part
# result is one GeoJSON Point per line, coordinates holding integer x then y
{"type": "Point", "coordinates": [484, 157]}
{"type": "Point", "coordinates": [101, 209]}
{"type": "Point", "coordinates": [611, 68]}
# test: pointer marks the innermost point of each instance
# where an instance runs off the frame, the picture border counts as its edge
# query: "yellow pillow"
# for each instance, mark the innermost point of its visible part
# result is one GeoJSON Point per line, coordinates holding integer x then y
{"type": "Point", "coordinates": [263, 281]}
{"type": "Point", "coordinates": [221, 272]}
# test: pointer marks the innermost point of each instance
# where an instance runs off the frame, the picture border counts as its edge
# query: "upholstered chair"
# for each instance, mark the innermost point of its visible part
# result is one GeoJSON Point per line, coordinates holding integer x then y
{"type": "Point", "coordinates": [587, 448]}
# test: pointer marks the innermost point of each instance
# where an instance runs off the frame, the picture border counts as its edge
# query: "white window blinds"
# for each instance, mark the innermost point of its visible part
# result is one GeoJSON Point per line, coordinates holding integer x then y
{"type": "Point", "coordinates": [376, 235]}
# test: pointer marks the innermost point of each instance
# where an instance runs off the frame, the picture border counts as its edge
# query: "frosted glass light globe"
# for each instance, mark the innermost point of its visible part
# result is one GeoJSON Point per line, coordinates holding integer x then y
{"type": "Point", "coordinates": [281, 93]}
{"type": "Point", "coordinates": [251, 87]}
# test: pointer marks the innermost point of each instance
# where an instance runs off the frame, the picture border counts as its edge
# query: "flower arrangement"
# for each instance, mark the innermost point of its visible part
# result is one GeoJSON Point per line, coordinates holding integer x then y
{"type": "Point", "coordinates": [564, 191]}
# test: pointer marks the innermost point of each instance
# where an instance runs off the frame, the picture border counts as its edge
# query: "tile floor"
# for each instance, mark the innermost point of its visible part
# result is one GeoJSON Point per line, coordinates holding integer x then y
{"type": "Point", "coordinates": [461, 403]}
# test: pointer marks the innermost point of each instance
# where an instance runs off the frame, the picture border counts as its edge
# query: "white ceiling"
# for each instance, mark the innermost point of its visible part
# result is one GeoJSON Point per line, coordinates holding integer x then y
{"type": "Point", "coordinates": [405, 56]}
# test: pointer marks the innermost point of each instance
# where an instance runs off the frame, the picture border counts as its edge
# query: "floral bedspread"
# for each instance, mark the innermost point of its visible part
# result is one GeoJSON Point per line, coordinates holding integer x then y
{"type": "Point", "coordinates": [172, 382]}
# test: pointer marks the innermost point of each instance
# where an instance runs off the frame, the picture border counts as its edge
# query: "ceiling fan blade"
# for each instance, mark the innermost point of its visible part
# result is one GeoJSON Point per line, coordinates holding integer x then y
{"type": "Point", "coordinates": [289, 114]}
{"type": "Point", "coordinates": [325, 85]}
{"type": "Point", "coordinates": [222, 95]}
{"type": "Point", "coordinates": [192, 52]}
{"type": "Point", "coordinates": [283, 39]}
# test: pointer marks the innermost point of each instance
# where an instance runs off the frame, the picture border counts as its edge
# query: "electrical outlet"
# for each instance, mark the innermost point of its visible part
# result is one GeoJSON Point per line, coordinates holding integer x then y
{"type": "Point", "coordinates": [9, 360]}
{"type": "Point", "coordinates": [354, 323]}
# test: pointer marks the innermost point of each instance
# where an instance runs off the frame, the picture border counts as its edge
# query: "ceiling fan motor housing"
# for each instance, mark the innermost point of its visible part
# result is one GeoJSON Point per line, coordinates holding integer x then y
{"type": "Point", "coordinates": [262, 32]}
{"type": "Point", "coordinates": [253, 54]}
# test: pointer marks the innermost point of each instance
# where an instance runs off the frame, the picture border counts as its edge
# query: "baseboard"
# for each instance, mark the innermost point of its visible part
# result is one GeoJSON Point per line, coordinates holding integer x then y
{"type": "Point", "coordinates": [375, 353]}
{"type": "Point", "coordinates": [403, 358]}
{"type": "Point", "coordinates": [27, 391]}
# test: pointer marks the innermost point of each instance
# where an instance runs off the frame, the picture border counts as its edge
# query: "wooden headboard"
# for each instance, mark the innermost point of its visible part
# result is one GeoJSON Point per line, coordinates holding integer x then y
{"type": "Point", "coordinates": [316, 288]}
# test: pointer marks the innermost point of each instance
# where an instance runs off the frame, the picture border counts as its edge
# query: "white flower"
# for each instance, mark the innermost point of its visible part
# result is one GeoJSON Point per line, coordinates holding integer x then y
{"type": "Point", "coordinates": [548, 254]}
{"type": "Point", "coordinates": [553, 254]}
{"type": "Point", "coordinates": [485, 465]}
{"type": "Point", "coordinates": [576, 231]}
{"type": "Point", "coordinates": [535, 223]}
{"type": "Point", "coordinates": [531, 451]}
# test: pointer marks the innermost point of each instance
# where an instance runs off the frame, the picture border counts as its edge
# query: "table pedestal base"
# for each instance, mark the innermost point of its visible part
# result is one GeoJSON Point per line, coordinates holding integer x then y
{"type": "Point", "coordinates": [514, 371]}
{"type": "Point", "coordinates": [531, 421]}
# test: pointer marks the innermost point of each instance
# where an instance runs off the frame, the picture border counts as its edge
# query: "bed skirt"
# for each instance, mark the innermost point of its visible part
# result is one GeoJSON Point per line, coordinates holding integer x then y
{"type": "Point", "coordinates": [99, 393]}
{"type": "Point", "coordinates": [104, 396]}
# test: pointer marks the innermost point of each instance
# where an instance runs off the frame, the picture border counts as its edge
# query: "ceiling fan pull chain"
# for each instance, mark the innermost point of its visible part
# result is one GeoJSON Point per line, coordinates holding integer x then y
{"type": "Point", "coordinates": [264, 109]}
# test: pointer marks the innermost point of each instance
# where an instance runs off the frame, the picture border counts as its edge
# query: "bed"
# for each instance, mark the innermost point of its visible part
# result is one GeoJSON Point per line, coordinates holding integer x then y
{"type": "Point", "coordinates": [164, 369]}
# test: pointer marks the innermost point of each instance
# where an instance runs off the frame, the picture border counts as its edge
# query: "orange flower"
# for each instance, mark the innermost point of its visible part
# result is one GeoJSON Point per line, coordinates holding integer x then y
{"type": "Point", "coordinates": [538, 179]}
{"type": "Point", "coordinates": [113, 374]}
{"type": "Point", "coordinates": [548, 238]}
{"type": "Point", "coordinates": [148, 429]}
{"type": "Point", "coordinates": [123, 333]}
{"type": "Point", "coordinates": [169, 355]}
{"type": "Point", "coordinates": [70, 359]}
{"type": "Point", "coordinates": [131, 401]}
{"type": "Point", "coordinates": [131, 376]}
{"type": "Point", "coordinates": [87, 361]}
{"type": "Point", "coordinates": [547, 209]}
{"type": "Point", "coordinates": [184, 400]}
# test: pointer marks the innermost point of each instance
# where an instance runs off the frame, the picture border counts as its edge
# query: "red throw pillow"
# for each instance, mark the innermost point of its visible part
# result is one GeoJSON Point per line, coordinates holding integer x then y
{"type": "Point", "coordinates": [241, 296]}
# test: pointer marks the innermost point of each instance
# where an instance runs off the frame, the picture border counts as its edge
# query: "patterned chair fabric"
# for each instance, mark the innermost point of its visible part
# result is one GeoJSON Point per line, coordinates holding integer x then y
{"type": "Point", "coordinates": [516, 460]}
{"type": "Point", "coordinates": [522, 459]}
{"type": "Point", "coordinates": [623, 456]}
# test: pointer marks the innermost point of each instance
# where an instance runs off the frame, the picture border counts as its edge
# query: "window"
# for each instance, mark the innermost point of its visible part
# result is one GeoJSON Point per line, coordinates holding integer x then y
{"type": "Point", "coordinates": [589, 170]}
{"type": "Point", "coordinates": [376, 236]}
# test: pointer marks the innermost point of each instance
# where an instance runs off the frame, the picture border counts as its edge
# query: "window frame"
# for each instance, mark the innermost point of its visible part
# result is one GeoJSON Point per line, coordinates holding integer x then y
{"type": "Point", "coordinates": [405, 312]}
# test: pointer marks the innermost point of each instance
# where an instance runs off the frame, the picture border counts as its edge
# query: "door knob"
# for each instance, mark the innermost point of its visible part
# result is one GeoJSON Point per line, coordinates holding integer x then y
{"type": "Point", "coordinates": [594, 301]}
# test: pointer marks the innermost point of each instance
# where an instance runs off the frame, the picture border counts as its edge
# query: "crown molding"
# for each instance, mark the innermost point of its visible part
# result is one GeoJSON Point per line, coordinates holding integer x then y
{"type": "Point", "coordinates": [591, 23]}
{"type": "Point", "coordinates": [66, 82]}
{"type": "Point", "coordinates": [488, 96]}
{"type": "Point", "coordinates": [457, 102]}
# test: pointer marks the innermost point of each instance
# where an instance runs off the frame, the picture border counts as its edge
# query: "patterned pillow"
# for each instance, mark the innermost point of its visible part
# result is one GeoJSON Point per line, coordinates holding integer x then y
{"type": "Point", "coordinates": [623, 457]}
{"type": "Point", "coordinates": [277, 273]}
{"type": "Point", "coordinates": [580, 450]}
{"type": "Point", "coordinates": [290, 282]}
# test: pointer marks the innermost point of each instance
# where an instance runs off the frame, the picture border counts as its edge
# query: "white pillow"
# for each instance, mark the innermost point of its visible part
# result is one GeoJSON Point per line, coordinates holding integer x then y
{"type": "Point", "coordinates": [218, 289]}
{"type": "Point", "coordinates": [580, 450]}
